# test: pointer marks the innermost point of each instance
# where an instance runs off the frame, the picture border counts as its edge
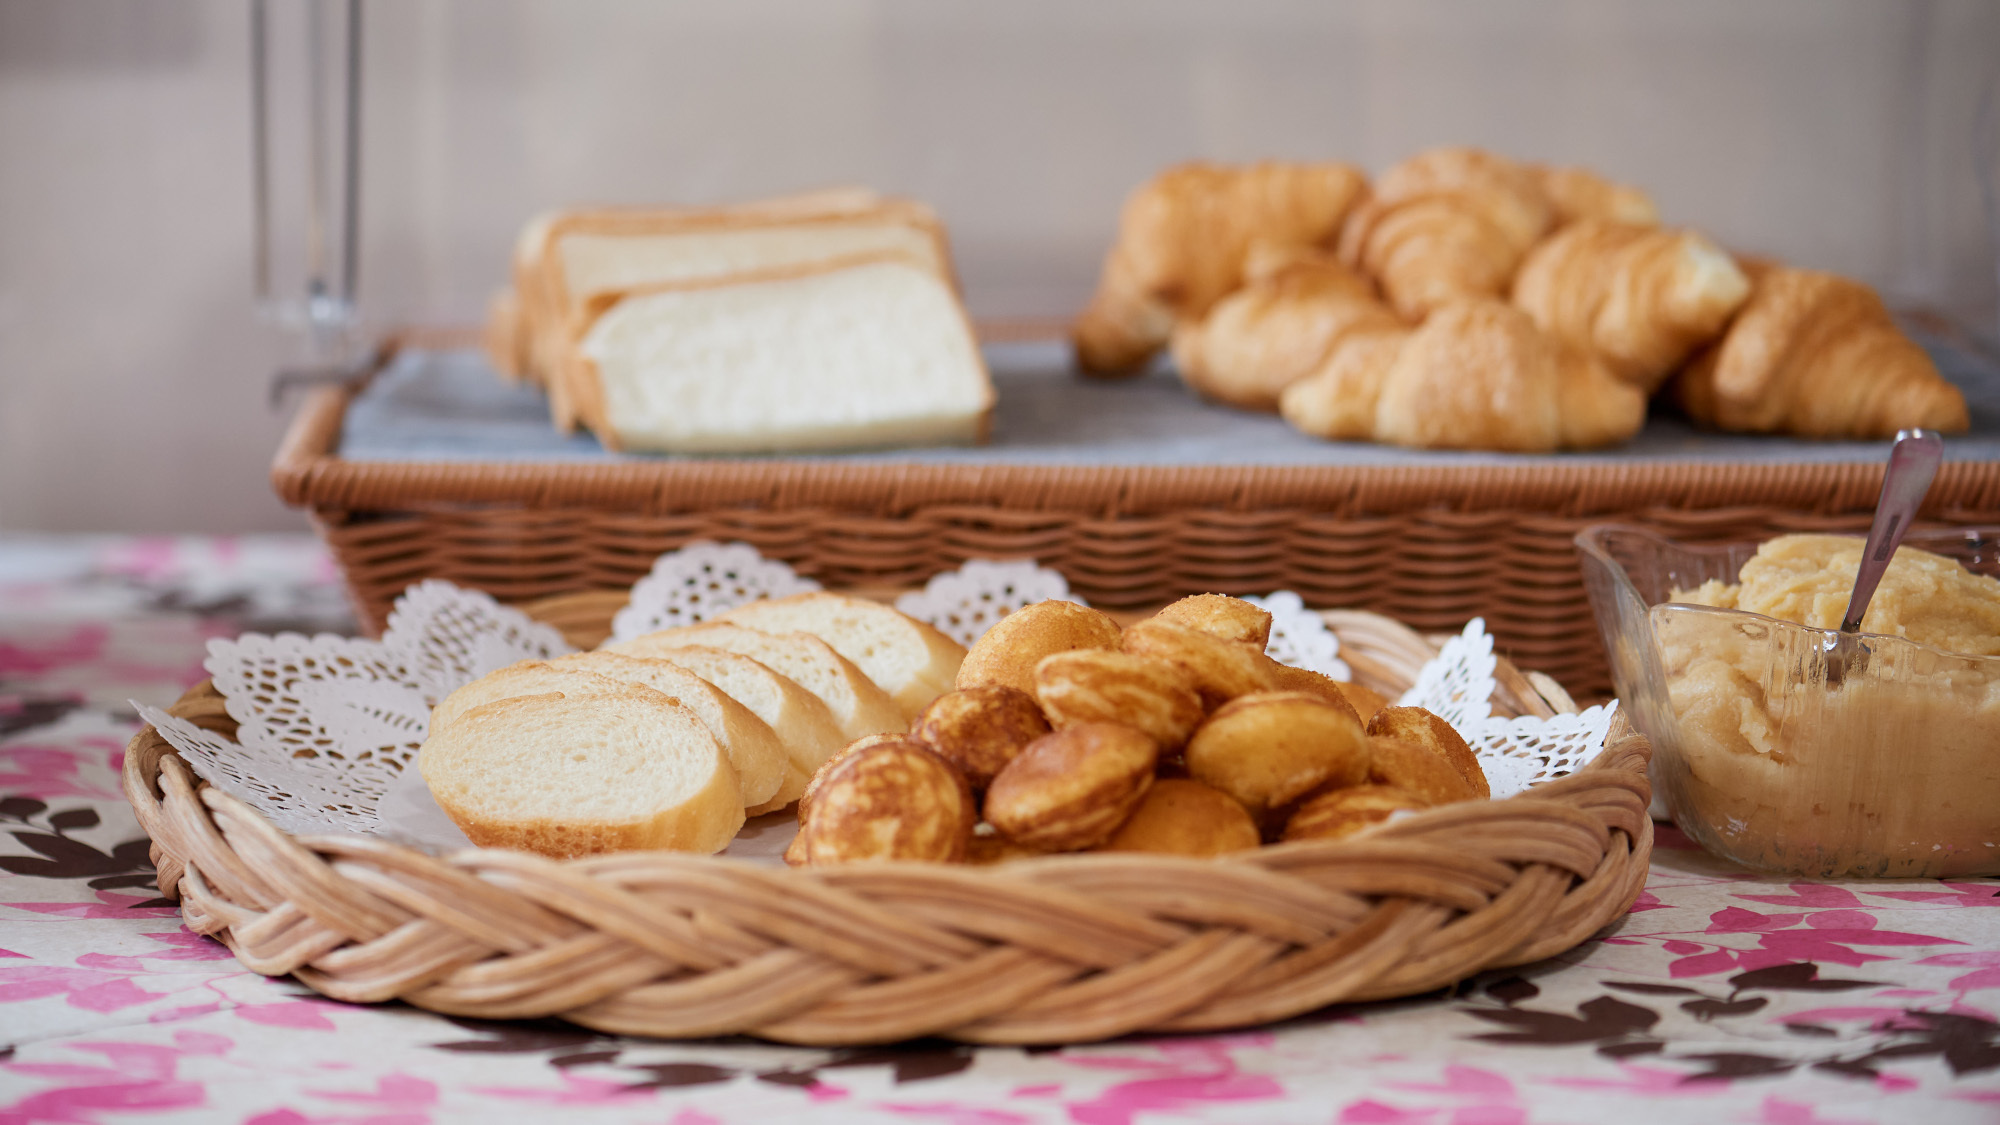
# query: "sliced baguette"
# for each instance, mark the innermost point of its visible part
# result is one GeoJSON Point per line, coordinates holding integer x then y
{"type": "Point", "coordinates": [760, 762]}
{"type": "Point", "coordinates": [861, 353]}
{"type": "Point", "coordinates": [753, 747]}
{"type": "Point", "coordinates": [905, 657]}
{"type": "Point", "coordinates": [804, 724]}
{"type": "Point", "coordinates": [858, 706]}
{"type": "Point", "coordinates": [568, 775]}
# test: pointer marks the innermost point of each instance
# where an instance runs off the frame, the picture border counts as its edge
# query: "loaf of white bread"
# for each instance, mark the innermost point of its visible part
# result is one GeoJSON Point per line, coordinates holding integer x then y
{"type": "Point", "coordinates": [670, 740]}
{"type": "Point", "coordinates": [815, 322]}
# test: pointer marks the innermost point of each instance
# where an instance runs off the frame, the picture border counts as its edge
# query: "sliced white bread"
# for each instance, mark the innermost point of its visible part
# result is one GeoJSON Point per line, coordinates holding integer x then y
{"type": "Point", "coordinates": [760, 761]}
{"type": "Point", "coordinates": [905, 657]}
{"type": "Point", "coordinates": [858, 706]}
{"type": "Point", "coordinates": [568, 775]}
{"type": "Point", "coordinates": [802, 720]}
{"type": "Point", "coordinates": [753, 747]}
{"type": "Point", "coordinates": [565, 258]}
{"type": "Point", "coordinates": [869, 353]}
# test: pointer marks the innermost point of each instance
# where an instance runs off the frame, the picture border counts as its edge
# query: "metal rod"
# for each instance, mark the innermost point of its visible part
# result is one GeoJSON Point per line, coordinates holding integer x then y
{"type": "Point", "coordinates": [316, 217]}
{"type": "Point", "coordinates": [351, 229]}
{"type": "Point", "coordinates": [260, 145]}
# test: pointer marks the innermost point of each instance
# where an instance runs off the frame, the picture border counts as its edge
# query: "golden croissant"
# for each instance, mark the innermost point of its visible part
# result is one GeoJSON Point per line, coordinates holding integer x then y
{"type": "Point", "coordinates": [1817, 355]}
{"type": "Point", "coordinates": [1259, 339]}
{"type": "Point", "coordinates": [1446, 225]}
{"type": "Point", "coordinates": [1579, 193]}
{"type": "Point", "coordinates": [1478, 374]}
{"type": "Point", "coordinates": [1183, 238]}
{"type": "Point", "coordinates": [1642, 298]}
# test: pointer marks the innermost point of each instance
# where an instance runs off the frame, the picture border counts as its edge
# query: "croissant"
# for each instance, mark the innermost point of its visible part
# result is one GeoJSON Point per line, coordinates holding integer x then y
{"type": "Point", "coordinates": [1817, 355]}
{"type": "Point", "coordinates": [1262, 337]}
{"type": "Point", "coordinates": [1182, 241]}
{"type": "Point", "coordinates": [1445, 225]}
{"type": "Point", "coordinates": [1642, 298]}
{"type": "Point", "coordinates": [1477, 374]}
{"type": "Point", "coordinates": [1578, 193]}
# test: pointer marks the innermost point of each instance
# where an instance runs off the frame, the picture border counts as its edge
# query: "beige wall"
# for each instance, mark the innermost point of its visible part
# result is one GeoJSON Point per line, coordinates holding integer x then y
{"type": "Point", "coordinates": [1837, 133]}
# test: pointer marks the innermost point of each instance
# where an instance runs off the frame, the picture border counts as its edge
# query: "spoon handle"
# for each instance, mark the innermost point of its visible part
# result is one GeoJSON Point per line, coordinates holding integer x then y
{"type": "Point", "coordinates": [1913, 461]}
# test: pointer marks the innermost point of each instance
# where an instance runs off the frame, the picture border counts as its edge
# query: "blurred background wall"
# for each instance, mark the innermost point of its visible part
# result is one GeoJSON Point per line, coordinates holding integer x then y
{"type": "Point", "coordinates": [1834, 133]}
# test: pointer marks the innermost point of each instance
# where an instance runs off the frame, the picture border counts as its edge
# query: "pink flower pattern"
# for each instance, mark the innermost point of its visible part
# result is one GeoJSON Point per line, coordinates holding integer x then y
{"type": "Point", "coordinates": [1725, 995]}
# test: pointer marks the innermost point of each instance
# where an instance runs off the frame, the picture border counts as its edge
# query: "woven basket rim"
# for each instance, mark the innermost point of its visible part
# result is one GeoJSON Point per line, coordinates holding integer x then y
{"type": "Point", "coordinates": [307, 471]}
{"type": "Point", "coordinates": [1425, 900]}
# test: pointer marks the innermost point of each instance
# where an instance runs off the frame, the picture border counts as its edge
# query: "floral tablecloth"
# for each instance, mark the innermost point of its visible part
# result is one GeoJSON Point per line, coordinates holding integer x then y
{"type": "Point", "coordinates": [1724, 997]}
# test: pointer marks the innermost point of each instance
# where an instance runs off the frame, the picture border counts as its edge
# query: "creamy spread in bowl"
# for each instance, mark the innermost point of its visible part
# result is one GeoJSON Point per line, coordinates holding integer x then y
{"type": "Point", "coordinates": [1891, 770]}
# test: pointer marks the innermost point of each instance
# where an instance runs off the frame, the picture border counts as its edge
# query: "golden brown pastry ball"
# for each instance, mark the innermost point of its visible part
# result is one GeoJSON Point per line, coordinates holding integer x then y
{"type": "Point", "coordinates": [1339, 813]}
{"type": "Point", "coordinates": [827, 767]}
{"type": "Point", "coordinates": [1009, 651]}
{"type": "Point", "coordinates": [1184, 817]}
{"type": "Point", "coordinates": [1416, 769]}
{"type": "Point", "coordinates": [1222, 669]}
{"type": "Point", "coordinates": [1350, 696]}
{"type": "Point", "coordinates": [980, 729]}
{"type": "Point", "coordinates": [1072, 789]}
{"type": "Point", "coordinates": [1218, 615]}
{"type": "Point", "coordinates": [891, 800]}
{"type": "Point", "coordinates": [1414, 724]}
{"type": "Point", "coordinates": [1268, 749]}
{"type": "Point", "coordinates": [1094, 686]}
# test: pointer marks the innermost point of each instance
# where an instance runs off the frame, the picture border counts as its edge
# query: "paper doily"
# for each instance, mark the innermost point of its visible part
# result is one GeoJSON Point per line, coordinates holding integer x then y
{"type": "Point", "coordinates": [329, 725]}
{"type": "Point", "coordinates": [326, 724]}
{"type": "Point", "coordinates": [702, 579]}
{"type": "Point", "coordinates": [1300, 638]}
{"type": "Point", "coordinates": [1457, 684]}
{"type": "Point", "coordinates": [964, 603]}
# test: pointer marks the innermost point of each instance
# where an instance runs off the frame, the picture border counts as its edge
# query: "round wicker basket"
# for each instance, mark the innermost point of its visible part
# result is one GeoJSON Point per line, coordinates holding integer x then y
{"type": "Point", "coordinates": [1056, 950]}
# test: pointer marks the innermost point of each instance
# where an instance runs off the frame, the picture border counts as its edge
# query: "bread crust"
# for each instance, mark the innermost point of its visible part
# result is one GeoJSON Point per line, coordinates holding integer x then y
{"type": "Point", "coordinates": [844, 622]}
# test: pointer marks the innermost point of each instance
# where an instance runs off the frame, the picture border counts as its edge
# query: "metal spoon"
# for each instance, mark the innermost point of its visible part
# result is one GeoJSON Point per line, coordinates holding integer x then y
{"type": "Point", "coordinates": [1913, 462]}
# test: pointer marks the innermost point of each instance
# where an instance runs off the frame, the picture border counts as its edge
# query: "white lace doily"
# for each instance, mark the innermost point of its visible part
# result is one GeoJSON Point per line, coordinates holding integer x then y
{"type": "Point", "coordinates": [1517, 753]}
{"type": "Point", "coordinates": [964, 603]}
{"type": "Point", "coordinates": [1300, 638]}
{"type": "Point", "coordinates": [326, 724]}
{"type": "Point", "coordinates": [700, 580]}
{"type": "Point", "coordinates": [1457, 684]}
{"type": "Point", "coordinates": [329, 726]}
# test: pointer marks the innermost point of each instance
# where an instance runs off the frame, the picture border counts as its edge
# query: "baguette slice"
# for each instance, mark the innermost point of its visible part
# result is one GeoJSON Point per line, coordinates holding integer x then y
{"type": "Point", "coordinates": [868, 352]}
{"type": "Point", "coordinates": [858, 706]}
{"type": "Point", "coordinates": [568, 775]}
{"type": "Point", "coordinates": [753, 747]}
{"type": "Point", "coordinates": [760, 762]}
{"type": "Point", "coordinates": [802, 721]}
{"type": "Point", "coordinates": [905, 657]}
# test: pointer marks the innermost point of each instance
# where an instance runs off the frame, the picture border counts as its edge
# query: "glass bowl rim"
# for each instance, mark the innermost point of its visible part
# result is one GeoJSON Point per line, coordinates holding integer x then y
{"type": "Point", "coordinates": [1589, 542]}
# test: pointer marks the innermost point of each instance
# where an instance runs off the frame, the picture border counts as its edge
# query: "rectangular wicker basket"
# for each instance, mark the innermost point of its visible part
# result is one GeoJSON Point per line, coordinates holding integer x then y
{"type": "Point", "coordinates": [1432, 545]}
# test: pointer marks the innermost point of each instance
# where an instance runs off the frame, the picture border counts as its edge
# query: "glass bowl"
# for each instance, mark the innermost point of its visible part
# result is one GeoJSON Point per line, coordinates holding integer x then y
{"type": "Point", "coordinates": [1889, 768]}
